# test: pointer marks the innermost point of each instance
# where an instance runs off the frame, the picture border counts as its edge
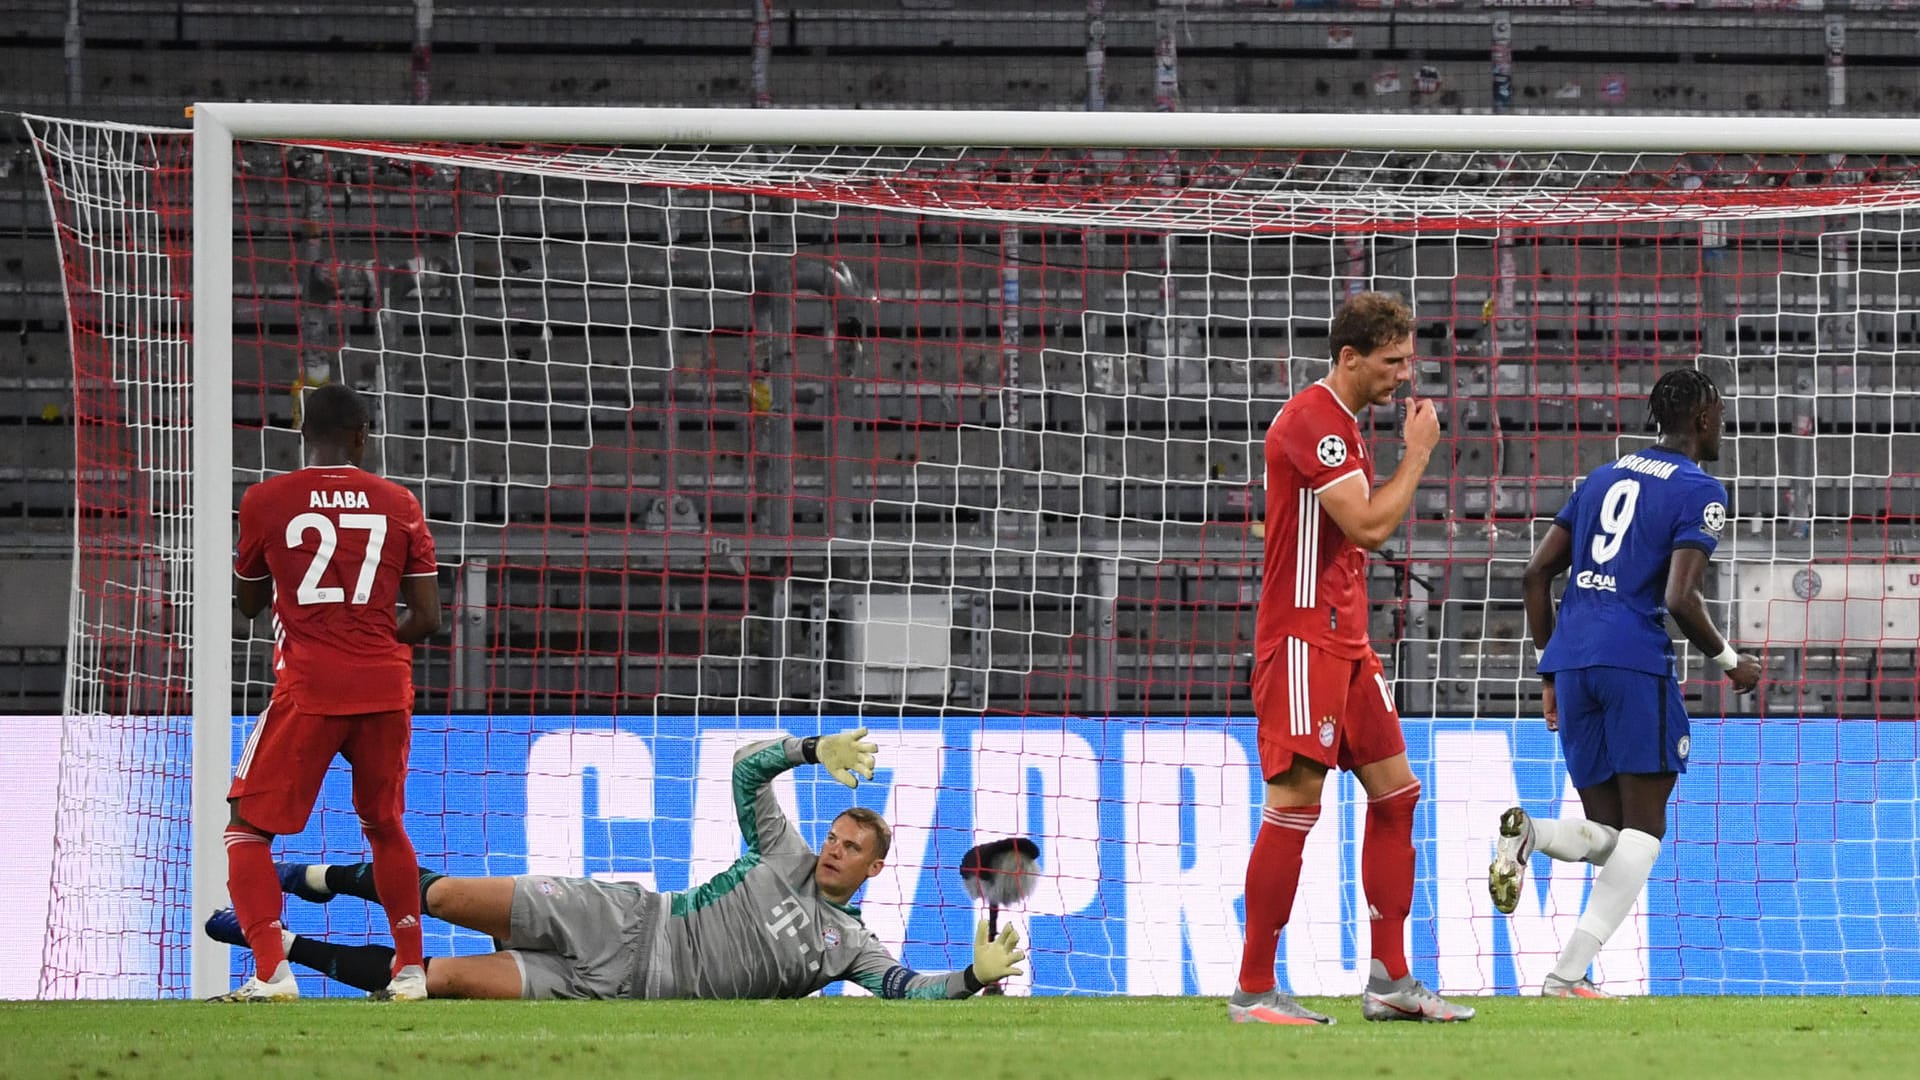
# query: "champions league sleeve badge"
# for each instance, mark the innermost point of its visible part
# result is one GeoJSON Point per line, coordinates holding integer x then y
{"type": "Point", "coordinates": [1332, 451]}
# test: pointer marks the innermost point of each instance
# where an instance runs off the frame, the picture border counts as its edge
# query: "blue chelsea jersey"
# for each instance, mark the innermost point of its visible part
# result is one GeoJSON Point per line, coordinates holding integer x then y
{"type": "Point", "coordinates": [1627, 518]}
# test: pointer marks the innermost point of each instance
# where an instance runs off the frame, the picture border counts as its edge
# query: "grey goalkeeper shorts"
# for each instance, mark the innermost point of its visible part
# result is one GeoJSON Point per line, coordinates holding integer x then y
{"type": "Point", "coordinates": [579, 938]}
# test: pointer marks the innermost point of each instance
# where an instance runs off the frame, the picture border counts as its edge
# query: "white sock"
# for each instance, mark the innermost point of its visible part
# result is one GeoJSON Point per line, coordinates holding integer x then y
{"type": "Point", "coordinates": [1615, 889]}
{"type": "Point", "coordinates": [1574, 840]}
{"type": "Point", "coordinates": [317, 879]}
{"type": "Point", "coordinates": [283, 973]}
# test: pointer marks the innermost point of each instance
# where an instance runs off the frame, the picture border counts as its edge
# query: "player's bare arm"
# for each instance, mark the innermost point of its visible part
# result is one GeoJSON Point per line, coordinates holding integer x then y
{"type": "Point", "coordinates": [1370, 518]}
{"type": "Point", "coordinates": [252, 581]}
{"type": "Point", "coordinates": [421, 593]}
{"type": "Point", "coordinates": [1550, 560]}
{"type": "Point", "coordinates": [1689, 610]}
{"type": "Point", "coordinates": [251, 596]}
{"type": "Point", "coordinates": [1359, 379]}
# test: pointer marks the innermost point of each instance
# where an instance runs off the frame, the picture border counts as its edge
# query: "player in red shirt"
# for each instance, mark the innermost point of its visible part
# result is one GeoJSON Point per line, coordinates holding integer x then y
{"type": "Point", "coordinates": [335, 548]}
{"type": "Point", "coordinates": [1319, 691]}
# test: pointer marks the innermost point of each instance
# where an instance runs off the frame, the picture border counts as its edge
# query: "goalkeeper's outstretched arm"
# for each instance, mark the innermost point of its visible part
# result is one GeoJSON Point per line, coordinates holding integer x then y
{"type": "Point", "coordinates": [762, 823]}
{"type": "Point", "coordinates": [994, 959]}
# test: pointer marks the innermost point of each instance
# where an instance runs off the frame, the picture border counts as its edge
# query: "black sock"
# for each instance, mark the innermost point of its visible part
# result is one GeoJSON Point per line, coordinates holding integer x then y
{"type": "Point", "coordinates": [427, 878]}
{"type": "Point", "coordinates": [353, 879]}
{"type": "Point", "coordinates": [356, 879]}
{"type": "Point", "coordinates": [365, 967]}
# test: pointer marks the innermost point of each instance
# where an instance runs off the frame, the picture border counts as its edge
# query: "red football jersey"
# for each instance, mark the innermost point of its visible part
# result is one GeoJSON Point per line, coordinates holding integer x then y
{"type": "Point", "coordinates": [336, 541]}
{"type": "Point", "coordinates": [1315, 582]}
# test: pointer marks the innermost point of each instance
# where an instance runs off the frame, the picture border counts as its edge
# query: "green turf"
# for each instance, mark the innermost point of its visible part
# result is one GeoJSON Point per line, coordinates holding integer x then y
{"type": "Point", "coordinates": [986, 1039]}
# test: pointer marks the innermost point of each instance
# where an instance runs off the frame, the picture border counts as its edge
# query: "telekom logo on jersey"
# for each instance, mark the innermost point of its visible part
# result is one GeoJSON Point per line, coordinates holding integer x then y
{"type": "Point", "coordinates": [1153, 839]}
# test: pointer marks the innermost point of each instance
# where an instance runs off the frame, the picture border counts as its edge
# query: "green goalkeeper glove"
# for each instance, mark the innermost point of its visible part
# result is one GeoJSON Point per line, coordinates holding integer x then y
{"type": "Point", "coordinates": [995, 958]}
{"type": "Point", "coordinates": [845, 754]}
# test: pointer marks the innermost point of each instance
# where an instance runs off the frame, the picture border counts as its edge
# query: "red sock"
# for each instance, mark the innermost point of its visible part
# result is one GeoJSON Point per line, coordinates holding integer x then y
{"type": "Point", "coordinates": [1273, 876]}
{"type": "Point", "coordinates": [396, 879]}
{"type": "Point", "coordinates": [255, 889]}
{"type": "Point", "coordinates": [1386, 873]}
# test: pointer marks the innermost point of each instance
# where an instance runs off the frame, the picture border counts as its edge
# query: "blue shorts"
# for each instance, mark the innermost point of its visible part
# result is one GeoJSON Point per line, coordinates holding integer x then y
{"type": "Point", "coordinates": [1613, 720]}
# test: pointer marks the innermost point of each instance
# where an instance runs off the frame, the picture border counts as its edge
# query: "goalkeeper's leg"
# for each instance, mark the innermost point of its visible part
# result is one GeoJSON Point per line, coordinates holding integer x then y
{"type": "Point", "coordinates": [483, 904]}
{"type": "Point", "coordinates": [369, 967]}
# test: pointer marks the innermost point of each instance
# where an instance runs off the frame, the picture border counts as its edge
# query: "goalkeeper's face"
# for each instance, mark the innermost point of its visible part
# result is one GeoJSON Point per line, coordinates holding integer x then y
{"type": "Point", "coordinates": [849, 857]}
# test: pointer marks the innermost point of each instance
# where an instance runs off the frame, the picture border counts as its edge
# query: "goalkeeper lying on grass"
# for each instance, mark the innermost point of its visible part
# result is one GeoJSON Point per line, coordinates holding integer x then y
{"type": "Point", "coordinates": [777, 923]}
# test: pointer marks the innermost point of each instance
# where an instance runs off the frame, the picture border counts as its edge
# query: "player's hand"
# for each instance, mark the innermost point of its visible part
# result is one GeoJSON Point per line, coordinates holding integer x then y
{"type": "Point", "coordinates": [1422, 430]}
{"type": "Point", "coordinates": [1550, 706]}
{"type": "Point", "coordinates": [845, 754]}
{"type": "Point", "coordinates": [996, 958]}
{"type": "Point", "coordinates": [1746, 674]}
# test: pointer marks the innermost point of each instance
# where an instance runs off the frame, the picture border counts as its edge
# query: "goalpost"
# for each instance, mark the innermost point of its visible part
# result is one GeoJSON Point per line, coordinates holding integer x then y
{"type": "Point", "coordinates": [733, 421]}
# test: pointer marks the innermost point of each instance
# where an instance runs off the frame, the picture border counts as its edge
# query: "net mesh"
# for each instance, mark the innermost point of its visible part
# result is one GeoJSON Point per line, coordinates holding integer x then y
{"type": "Point", "coordinates": [121, 830]}
{"type": "Point", "coordinates": [1215, 191]}
{"type": "Point", "coordinates": [719, 442]}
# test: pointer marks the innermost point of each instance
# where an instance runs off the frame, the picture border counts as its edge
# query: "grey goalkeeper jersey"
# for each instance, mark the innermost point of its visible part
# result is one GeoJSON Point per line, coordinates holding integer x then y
{"type": "Point", "coordinates": [761, 929]}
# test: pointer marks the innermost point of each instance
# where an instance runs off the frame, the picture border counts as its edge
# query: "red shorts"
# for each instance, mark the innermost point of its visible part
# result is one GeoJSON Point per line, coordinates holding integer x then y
{"type": "Point", "coordinates": [288, 754]}
{"type": "Point", "coordinates": [1326, 708]}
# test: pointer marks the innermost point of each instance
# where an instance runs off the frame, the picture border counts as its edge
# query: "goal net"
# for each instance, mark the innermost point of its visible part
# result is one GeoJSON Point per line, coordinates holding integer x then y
{"type": "Point", "coordinates": [722, 437]}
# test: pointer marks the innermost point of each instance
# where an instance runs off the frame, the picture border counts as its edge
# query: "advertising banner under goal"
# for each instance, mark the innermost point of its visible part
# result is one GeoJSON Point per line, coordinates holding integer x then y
{"type": "Point", "coordinates": [1789, 865]}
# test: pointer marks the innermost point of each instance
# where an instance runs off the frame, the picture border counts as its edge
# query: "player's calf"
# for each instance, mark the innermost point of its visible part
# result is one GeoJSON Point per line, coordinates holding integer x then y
{"type": "Point", "coordinates": [1387, 860]}
{"type": "Point", "coordinates": [399, 887]}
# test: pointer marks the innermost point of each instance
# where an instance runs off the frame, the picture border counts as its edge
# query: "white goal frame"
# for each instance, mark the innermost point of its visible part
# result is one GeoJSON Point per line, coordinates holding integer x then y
{"type": "Point", "coordinates": [217, 125]}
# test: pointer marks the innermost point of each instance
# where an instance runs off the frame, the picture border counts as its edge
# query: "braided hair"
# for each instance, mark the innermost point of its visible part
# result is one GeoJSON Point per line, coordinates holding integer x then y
{"type": "Point", "coordinates": [1677, 396]}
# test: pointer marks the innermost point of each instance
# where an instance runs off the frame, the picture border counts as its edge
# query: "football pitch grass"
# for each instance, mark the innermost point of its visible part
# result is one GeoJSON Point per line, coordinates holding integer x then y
{"type": "Point", "coordinates": [986, 1039]}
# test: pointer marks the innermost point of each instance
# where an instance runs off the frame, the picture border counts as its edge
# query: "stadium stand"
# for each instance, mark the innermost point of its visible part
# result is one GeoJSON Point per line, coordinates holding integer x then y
{"type": "Point", "coordinates": [1515, 437]}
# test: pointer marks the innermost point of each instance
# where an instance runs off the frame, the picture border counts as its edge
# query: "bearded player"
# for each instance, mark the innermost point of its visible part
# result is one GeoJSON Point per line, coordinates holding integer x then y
{"type": "Point", "coordinates": [1319, 691]}
{"type": "Point", "coordinates": [334, 547]}
{"type": "Point", "coordinates": [1638, 535]}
